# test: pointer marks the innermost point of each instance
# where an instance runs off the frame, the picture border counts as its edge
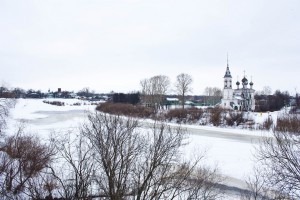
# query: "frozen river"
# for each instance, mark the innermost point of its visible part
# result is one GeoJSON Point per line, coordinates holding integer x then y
{"type": "Point", "coordinates": [230, 150]}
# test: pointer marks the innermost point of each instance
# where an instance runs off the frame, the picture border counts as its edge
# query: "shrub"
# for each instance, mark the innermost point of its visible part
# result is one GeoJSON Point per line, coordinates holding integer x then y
{"type": "Point", "coordinates": [180, 115]}
{"type": "Point", "coordinates": [184, 115]}
{"type": "Point", "coordinates": [55, 103]}
{"type": "Point", "coordinates": [125, 109]}
{"type": "Point", "coordinates": [194, 114]}
{"type": "Point", "coordinates": [234, 118]}
{"type": "Point", "coordinates": [22, 160]}
{"type": "Point", "coordinates": [216, 115]}
{"type": "Point", "coordinates": [288, 124]}
{"type": "Point", "coordinates": [267, 124]}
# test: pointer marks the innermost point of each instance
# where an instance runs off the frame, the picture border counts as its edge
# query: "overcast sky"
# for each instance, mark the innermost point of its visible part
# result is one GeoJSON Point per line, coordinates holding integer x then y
{"type": "Point", "coordinates": [113, 44]}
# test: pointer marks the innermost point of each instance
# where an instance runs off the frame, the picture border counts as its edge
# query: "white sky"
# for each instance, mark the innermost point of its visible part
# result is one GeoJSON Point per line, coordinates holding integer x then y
{"type": "Point", "coordinates": [113, 44]}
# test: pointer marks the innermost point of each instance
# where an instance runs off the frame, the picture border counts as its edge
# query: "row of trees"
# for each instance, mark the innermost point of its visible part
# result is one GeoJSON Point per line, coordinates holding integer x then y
{"type": "Point", "coordinates": [213, 95]}
{"type": "Point", "coordinates": [155, 89]}
{"type": "Point", "coordinates": [272, 102]}
{"type": "Point", "coordinates": [11, 93]}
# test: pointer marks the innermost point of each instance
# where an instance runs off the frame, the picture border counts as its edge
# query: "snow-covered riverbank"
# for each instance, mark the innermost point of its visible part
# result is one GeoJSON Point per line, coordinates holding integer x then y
{"type": "Point", "coordinates": [231, 150]}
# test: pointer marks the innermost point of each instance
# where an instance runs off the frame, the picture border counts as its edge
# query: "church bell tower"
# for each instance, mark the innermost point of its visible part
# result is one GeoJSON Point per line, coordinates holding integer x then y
{"type": "Point", "coordinates": [227, 91]}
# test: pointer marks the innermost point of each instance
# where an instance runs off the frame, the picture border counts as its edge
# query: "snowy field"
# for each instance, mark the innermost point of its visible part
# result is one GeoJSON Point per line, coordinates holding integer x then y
{"type": "Point", "coordinates": [42, 118]}
{"type": "Point", "coordinates": [231, 150]}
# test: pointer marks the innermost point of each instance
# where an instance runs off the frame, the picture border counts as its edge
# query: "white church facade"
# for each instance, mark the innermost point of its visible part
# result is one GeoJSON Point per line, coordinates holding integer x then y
{"type": "Point", "coordinates": [241, 98]}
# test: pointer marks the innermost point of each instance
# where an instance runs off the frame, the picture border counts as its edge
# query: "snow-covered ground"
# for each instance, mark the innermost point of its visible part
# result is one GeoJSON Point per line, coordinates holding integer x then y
{"type": "Point", "coordinates": [42, 118]}
{"type": "Point", "coordinates": [231, 150]}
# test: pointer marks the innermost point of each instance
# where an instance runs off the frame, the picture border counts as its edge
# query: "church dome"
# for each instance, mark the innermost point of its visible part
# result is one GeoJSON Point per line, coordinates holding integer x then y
{"type": "Point", "coordinates": [251, 83]}
{"type": "Point", "coordinates": [245, 81]}
{"type": "Point", "coordinates": [238, 83]}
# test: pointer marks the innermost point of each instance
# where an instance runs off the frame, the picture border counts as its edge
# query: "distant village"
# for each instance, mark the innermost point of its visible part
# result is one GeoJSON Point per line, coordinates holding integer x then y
{"type": "Point", "coordinates": [243, 98]}
{"type": "Point", "coordinates": [86, 94]}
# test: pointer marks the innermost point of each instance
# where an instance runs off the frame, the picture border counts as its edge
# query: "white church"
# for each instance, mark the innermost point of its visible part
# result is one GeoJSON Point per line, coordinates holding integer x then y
{"type": "Point", "coordinates": [241, 98]}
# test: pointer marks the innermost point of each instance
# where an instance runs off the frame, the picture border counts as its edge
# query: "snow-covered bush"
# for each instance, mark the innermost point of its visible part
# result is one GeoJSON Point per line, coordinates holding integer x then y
{"type": "Point", "coordinates": [216, 115]}
{"type": "Point", "coordinates": [267, 124]}
{"type": "Point", "coordinates": [55, 103]}
{"type": "Point", "coordinates": [234, 118]}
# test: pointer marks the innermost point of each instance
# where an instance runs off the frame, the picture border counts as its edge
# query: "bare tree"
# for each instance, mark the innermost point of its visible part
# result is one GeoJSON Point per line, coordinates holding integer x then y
{"type": "Point", "coordinates": [257, 188]}
{"type": "Point", "coordinates": [5, 105]}
{"type": "Point", "coordinates": [44, 186]}
{"type": "Point", "coordinates": [112, 157]}
{"type": "Point", "coordinates": [183, 86]}
{"type": "Point", "coordinates": [154, 90]}
{"type": "Point", "coordinates": [265, 91]}
{"type": "Point", "coordinates": [116, 147]}
{"type": "Point", "coordinates": [142, 164]}
{"type": "Point", "coordinates": [280, 160]}
{"type": "Point", "coordinates": [207, 188]}
{"type": "Point", "coordinates": [22, 159]}
{"type": "Point", "coordinates": [73, 171]}
{"type": "Point", "coordinates": [213, 91]}
{"type": "Point", "coordinates": [155, 172]}
{"type": "Point", "coordinates": [282, 164]}
{"type": "Point", "coordinates": [85, 92]}
{"type": "Point", "coordinates": [213, 94]}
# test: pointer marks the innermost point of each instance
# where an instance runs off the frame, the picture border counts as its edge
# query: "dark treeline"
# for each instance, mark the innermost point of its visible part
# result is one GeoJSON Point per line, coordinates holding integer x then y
{"type": "Point", "coordinates": [31, 93]}
{"type": "Point", "coordinates": [132, 98]}
{"type": "Point", "coordinates": [272, 102]}
{"type": "Point", "coordinates": [15, 93]}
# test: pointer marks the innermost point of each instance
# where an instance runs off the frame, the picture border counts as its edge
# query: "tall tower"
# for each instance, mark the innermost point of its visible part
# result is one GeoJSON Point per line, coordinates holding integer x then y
{"type": "Point", "coordinates": [227, 91]}
{"type": "Point", "coordinates": [227, 77]}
